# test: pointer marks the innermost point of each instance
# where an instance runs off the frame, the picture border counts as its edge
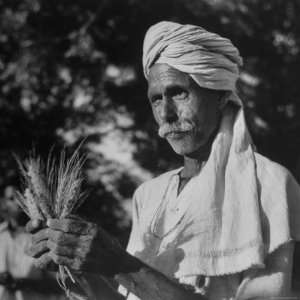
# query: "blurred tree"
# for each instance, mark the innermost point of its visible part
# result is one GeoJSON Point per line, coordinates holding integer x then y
{"type": "Point", "coordinates": [72, 70]}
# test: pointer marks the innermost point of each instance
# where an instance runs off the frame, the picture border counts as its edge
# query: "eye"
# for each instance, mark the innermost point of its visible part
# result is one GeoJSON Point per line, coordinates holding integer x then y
{"type": "Point", "coordinates": [155, 99]}
{"type": "Point", "coordinates": [179, 93]}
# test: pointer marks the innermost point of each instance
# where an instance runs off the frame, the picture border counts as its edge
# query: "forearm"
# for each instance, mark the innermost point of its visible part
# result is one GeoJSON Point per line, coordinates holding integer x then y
{"type": "Point", "coordinates": [42, 286]}
{"type": "Point", "coordinates": [149, 284]}
{"type": "Point", "coordinates": [85, 247]}
{"type": "Point", "coordinates": [95, 287]}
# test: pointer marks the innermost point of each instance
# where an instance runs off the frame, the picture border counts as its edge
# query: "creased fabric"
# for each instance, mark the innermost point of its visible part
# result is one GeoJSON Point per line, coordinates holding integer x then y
{"type": "Point", "coordinates": [236, 211]}
{"type": "Point", "coordinates": [211, 60]}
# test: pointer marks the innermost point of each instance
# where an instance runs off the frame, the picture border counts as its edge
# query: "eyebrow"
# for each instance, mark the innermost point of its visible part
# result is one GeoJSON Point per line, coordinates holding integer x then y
{"type": "Point", "coordinates": [168, 89]}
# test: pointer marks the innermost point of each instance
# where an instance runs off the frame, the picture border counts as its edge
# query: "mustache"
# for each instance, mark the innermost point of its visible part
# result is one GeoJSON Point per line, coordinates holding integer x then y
{"type": "Point", "coordinates": [168, 128]}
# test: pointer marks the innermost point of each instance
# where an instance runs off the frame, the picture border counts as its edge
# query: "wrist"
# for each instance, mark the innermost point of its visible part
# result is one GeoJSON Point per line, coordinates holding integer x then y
{"type": "Point", "coordinates": [129, 264]}
{"type": "Point", "coordinates": [123, 262]}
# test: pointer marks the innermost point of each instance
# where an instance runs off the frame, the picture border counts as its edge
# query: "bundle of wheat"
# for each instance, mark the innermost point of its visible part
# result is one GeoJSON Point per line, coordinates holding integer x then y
{"type": "Point", "coordinates": [52, 190]}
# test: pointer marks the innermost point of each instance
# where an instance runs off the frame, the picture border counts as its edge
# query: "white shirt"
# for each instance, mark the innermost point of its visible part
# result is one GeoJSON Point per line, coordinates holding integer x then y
{"type": "Point", "coordinates": [158, 219]}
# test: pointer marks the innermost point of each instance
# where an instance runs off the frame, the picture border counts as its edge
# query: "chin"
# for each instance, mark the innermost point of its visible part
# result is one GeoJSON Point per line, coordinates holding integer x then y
{"type": "Point", "coordinates": [188, 144]}
{"type": "Point", "coordinates": [183, 149]}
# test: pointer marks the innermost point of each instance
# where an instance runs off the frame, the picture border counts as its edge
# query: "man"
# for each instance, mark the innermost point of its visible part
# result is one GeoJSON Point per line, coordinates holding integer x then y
{"type": "Point", "coordinates": [220, 227]}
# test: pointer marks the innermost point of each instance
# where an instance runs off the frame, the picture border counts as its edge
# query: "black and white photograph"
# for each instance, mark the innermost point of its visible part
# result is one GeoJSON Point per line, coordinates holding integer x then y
{"type": "Point", "coordinates": [149, 150]}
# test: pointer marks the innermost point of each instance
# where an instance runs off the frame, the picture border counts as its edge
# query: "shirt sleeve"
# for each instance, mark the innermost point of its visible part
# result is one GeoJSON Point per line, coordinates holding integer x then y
{"type": "Point", "coordinates": [134, 239]}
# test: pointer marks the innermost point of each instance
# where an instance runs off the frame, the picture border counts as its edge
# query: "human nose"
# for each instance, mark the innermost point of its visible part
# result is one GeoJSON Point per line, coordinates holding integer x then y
{"type": "Point", "coordinates": [168, 111]}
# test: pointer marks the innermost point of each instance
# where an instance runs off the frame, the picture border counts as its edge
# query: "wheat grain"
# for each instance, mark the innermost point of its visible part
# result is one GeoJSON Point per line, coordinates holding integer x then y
{"type": "Point", "coordinates": [39, 186]}
{"type": "Point", "coordinates": [52, 190]}
{"type": "Point", "coordinates": [34, 211]}
{"type": "Point", "coordinates": [22, 202]}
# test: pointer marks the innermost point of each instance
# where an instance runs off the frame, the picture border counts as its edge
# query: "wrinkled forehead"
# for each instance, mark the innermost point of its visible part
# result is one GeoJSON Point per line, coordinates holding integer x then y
{"type": "Point", "coordinates": [162, 75]}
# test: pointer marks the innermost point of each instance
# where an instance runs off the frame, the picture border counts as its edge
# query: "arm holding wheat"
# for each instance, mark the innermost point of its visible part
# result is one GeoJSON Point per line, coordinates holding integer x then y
{"type": "Point", "coordinates": [86, 248]}
{"type": "Point", "coordinates": [51, 193]}
{"type": "Point", "coordinates": [78, 248]}
{"type": "Point", "coordinates": [39, 248]}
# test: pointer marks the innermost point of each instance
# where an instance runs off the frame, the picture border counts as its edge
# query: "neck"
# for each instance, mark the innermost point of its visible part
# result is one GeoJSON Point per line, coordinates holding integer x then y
{"type": "Point", "coordinates": [192, 166]}
{"type": "Point", "coordinates": [194, 161]}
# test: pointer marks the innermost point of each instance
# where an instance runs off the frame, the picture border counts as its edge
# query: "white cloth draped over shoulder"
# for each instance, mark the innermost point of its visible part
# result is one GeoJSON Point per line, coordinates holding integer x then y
{"type": "Point", "coordinates": [240, 209]}
{"type": "Point", "coordinates": [237, 210]}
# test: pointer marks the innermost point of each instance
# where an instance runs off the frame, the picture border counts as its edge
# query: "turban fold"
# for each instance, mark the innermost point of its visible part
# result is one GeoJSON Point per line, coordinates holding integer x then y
{"type": "Point", "coordinates": [211, 60]}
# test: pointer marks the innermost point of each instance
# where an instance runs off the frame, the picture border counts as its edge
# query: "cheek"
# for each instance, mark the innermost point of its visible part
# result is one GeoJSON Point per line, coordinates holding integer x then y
{"type": "Point", "coordinates": [193, 114]}
{"type": "Point", "coordinates": [201, 113]}
{"type": "Point", "coordinates": [156, 115]}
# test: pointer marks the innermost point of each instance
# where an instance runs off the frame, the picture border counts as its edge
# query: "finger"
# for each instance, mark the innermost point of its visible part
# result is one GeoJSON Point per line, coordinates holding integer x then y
{"type": "Point", "coordinates": [34, 225]}
{"type": "Point", "coordinates": [71, 226]}
{"type": "Point", "coordinates": [61, 250]}
{"type": "Point", "coordinates": [40, 236]}
{"type": "Point", "coordinates": [72, 263]}
{"type": "Point", "coordinates": [63, 239]}
{"type": "Point", "coordinates": [45, 262]}
{"type": "Point", "coordinates": [76, 217]}
{"type": "Point", "coordinates": [36, 250]}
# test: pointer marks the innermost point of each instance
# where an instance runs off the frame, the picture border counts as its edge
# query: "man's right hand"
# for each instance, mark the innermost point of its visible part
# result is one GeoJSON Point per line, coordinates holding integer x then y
{"type": "Point", "coordinates": [37, 245]}
{"type": "Point", "coordinates": [82, 246]}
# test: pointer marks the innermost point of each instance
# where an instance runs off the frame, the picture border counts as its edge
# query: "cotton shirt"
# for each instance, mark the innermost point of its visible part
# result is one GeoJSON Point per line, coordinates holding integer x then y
{"type": "Point", "coordinates": [159, 217]}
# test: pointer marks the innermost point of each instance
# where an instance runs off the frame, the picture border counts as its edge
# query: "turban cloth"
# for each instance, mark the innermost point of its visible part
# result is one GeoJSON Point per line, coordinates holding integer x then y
{"type": "Point", "coordinates": [211, 60]}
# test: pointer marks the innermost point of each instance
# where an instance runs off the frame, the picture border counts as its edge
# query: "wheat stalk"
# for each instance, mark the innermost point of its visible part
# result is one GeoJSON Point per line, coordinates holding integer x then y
{"type": "Point", "coordinates": [52, 190]}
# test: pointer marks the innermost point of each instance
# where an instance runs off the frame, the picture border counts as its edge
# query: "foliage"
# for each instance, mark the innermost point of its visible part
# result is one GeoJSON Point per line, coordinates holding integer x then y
{"type": "Point", "coordinates": [72, 70]}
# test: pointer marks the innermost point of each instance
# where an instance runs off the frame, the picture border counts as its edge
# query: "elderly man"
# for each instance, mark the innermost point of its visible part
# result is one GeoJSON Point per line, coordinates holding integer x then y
{"type": "Point", "coordinates": [220, 227]}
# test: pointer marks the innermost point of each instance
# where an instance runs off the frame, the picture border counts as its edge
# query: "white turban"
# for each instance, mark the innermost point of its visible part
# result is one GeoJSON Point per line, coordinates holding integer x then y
{"type": "Point", "coordinates": [211, 60]}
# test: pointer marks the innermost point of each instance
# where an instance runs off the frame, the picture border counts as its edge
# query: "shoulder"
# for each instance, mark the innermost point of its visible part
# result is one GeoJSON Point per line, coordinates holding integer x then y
{"type": "Point", "coordinates": [275, 181]}
{"type": "Point", "coordinates": [268, 169]}
{"type": "Point", "coordinates": [279, 195]}
{"type": "Point", "coordinates": [273, 177]}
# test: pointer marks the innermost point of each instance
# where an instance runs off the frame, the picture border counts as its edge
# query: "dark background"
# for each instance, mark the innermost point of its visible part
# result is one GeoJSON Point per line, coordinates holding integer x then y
{"type": "Point", "coordinates": [71, 70]}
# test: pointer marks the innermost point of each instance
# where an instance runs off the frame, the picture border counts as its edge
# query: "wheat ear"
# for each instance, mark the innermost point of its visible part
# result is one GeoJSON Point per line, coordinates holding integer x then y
{"type": "Point", "coordinates": [52, 190]}
{"type": "Point", "coordinates": [36, 172]}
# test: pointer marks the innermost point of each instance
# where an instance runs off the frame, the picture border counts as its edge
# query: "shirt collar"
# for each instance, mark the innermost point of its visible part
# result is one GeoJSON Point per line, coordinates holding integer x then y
{"type": "Point", "coordinates": [176, 171]}
{"type": "Point", "coordinates": [3, 226]}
